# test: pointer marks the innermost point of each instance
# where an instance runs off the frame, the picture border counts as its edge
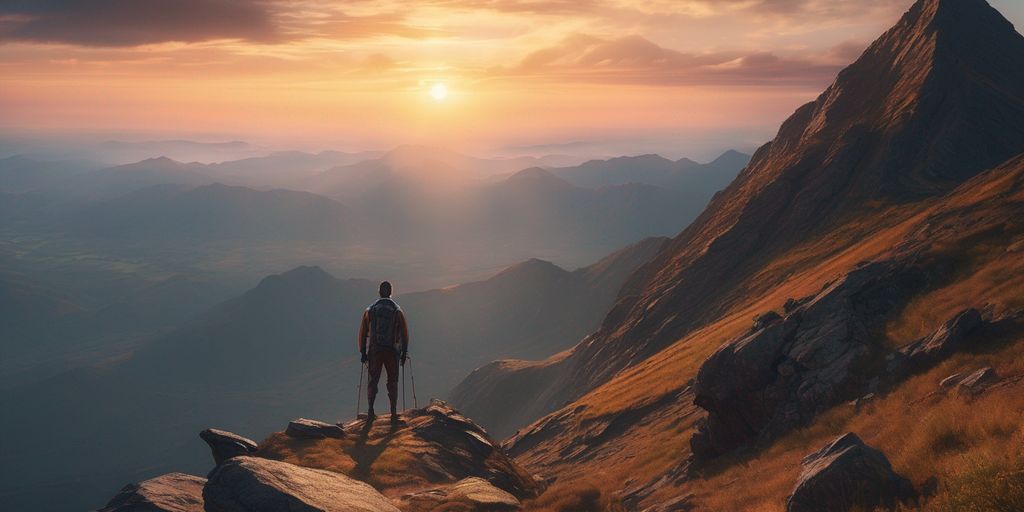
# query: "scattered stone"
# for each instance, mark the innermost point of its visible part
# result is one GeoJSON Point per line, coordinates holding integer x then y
{"type": "Point", "coordinates": [847, 474]}
{"type": "Point", "coordinates": [226, 445]}
{"type": "Point", "coordinates": [472, 493]}
{"type": "Point", "coordinates": [858, 403]}
{"type": "Point", "coordinates": [977, 381]}
{"type": "Point", "coordinates": [951, 381]}
{"type": "Point", "coordinates": [254, 484]}
{"type": "Point", "coordinates": [303, 428]}
{"type": "Point", "coordinates": [173, 492]}
{"type": "Point", "coordinates": [949, 338]}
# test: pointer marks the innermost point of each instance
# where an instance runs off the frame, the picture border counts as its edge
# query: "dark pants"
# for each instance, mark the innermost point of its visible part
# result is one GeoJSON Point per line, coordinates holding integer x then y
{"type": "Point", "coordinates": [388, 360]}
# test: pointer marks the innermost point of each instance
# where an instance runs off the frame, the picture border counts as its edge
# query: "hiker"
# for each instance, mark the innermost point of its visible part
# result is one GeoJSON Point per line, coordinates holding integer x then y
{"type": "Point", "coordinates": [383, 343]}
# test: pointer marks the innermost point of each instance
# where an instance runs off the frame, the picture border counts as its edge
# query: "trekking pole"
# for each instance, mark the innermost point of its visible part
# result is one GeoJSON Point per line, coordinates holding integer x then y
{"type": "Point", "coordinates": [412, 375]}
{"type": "Point", "coordinates": [402, 369]}
{"type": "Point", "coordinates": [359, 390]}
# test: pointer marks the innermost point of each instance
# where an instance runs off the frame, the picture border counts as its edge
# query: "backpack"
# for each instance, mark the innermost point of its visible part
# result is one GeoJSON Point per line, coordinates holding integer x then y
{"type": "Point", "coordinates": [384, 325]}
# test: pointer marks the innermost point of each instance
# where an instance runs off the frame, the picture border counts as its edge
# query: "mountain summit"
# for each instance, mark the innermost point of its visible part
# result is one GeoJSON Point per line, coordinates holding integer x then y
{"type": "Point", "coordinates": [934, 101]}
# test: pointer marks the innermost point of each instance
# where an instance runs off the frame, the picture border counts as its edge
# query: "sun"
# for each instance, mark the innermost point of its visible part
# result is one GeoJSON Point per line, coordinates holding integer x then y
{"type": "Point", "coordinates": [439, 92]}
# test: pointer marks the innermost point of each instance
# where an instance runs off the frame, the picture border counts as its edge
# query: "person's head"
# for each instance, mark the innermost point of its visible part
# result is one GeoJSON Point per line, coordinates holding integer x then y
{"type": "Point", "coordinates": [385, 289]}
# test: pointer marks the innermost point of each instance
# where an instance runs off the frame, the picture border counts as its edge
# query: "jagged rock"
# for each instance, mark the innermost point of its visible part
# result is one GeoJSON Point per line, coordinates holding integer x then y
{"type": "Point", "coordinates": [226, 445]}
{"type": "Point", "coordinates": [470, 494]}
{"type": "Point", "coordinates": [848, 475]}
{"type": "Point", "coordinates": [782, 373]}
{"type": "Point", "coordinates": [255, 484]}
{"type": "Point", "coordinates": [946, 340]}
{"type": "Point", "coordinates": [312, 429]}
{"type": "Point", "coordinates": [764, 319]}
{"type": "Point", "coordinates": [173, 492]}
{"type": "Point", "coordinates": [970, 384]}
{"type": "Point", "coordinates": [428, 448]}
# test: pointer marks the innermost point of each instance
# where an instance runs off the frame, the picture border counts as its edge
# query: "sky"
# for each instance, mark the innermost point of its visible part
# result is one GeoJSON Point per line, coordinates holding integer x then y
{"type": "Point", "coordinates": [516, 76]}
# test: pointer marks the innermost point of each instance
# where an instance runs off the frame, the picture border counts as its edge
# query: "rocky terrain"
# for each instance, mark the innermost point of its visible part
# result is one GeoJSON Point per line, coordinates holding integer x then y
{"type": "Point", "coordinates": [431, 459]}
{"type": "Point", "coordinates": [875, 243]}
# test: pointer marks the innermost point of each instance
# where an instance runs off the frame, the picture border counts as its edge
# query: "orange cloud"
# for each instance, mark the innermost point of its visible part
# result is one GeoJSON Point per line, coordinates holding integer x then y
{"type": "Point", "coordinates": [634, 59]}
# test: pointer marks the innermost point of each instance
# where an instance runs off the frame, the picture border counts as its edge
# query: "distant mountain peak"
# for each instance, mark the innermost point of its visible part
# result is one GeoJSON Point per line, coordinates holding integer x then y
{"type": "Point", "coordinates": [302, 277]}
{"type": "Point", "coordinates": [536, 175]}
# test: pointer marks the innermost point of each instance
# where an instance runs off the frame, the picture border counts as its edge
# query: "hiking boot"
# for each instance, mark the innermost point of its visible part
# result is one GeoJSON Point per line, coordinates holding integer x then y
{"type": "Point", "coordinates": [370, 415]}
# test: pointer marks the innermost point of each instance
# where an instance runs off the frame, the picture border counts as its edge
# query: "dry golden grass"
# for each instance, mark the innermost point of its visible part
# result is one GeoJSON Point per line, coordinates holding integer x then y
{"type": "Point", "coordinates": [578, 496]}
{"type": "Point", "coordinates": [924, 435]}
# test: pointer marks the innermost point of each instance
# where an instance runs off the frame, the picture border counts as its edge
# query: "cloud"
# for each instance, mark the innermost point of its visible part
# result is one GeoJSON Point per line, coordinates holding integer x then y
{"type": "Point", "coordinates": [563, 7]}
{"type": "Point", "coordinates": [135, 22]}
{"type": "Point", "coordinates": [634, 59]}
{"type": "Point", "coordinates": [127, 23]}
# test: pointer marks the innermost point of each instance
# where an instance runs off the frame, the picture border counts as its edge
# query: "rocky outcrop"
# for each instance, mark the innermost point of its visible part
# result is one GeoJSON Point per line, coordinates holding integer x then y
{"type": "Point", "coordinates": [786, 370]}
{"type": "Point", "coordinates": [945, 341]}
{"type": "Point", "coordinates": [848, 475]}
{"type": "Point", "coordinates": [471, 494]}
{"type": "Point", "coordinates": [226, 445]}
{"type": "Point", "coordinates": [173, 492]}
{"type": "Point", "coordinates": [255, 484]}
{"type": "Point", "coordinates": [428, 448]}
{"type": "Point", "coordinates": [313, 429]}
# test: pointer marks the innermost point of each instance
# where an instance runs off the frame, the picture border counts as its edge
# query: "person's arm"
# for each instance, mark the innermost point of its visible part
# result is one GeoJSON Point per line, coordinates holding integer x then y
{"type": "Point", "coordinates": [364, 327]}
{"type": "Point", "coordinates": [403, 331]}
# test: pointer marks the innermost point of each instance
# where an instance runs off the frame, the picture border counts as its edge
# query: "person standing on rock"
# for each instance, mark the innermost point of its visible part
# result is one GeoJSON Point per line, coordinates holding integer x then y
{"type": "Point", "coordinates": [383, 344]}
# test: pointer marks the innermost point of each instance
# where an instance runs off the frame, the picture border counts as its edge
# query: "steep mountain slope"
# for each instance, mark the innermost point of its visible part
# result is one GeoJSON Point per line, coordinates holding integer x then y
{"type": "Point", "coordinates": [216, 211]}
{"type": "Point", "coordinates": [967, 243]}
{"type": "Point", "coordinates": [936, 100]}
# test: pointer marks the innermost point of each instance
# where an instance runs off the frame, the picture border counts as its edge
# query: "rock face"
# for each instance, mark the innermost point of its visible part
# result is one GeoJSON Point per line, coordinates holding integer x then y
{"type": "Point", "coordinates": [470, 494]}
{"type": "Point", "coordinates": [226, 445]}
{"type": "Point", "coordinates": [254, 484]}
{"type": "Point", "coordinates": [788, 369]}
{"type": "Point", "coordinates": [848, 475]}
{"type": "Point", "coordinates": [312, 429]}
{"type": "Point", "coordinates": [173, 492]}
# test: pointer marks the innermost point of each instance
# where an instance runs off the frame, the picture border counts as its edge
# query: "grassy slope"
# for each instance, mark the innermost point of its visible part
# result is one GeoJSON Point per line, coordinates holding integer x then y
{"type": "Point", "coordinates": [979, 227]}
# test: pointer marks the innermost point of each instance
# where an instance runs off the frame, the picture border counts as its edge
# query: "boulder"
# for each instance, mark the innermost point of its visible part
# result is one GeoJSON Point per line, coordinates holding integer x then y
{"type": "Point", "coordinates": [312, 429]}
{"type": "Point", "coordinates": [946, 340]}
{"type": "Point", "coordinates": [254, 484]}
{"type": "Point", "coordinates": [786, 370]}
{"type": "Point", "coordinates": [173, 492]}
{"type": "Point", "coordinates": [226, 445]}
{"type": "Point", "coordinates": [971, 384]}
{"type": "Point", "coordinates": [848, 475]}
{"type": "Point", "coordinates": [470, 494]}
